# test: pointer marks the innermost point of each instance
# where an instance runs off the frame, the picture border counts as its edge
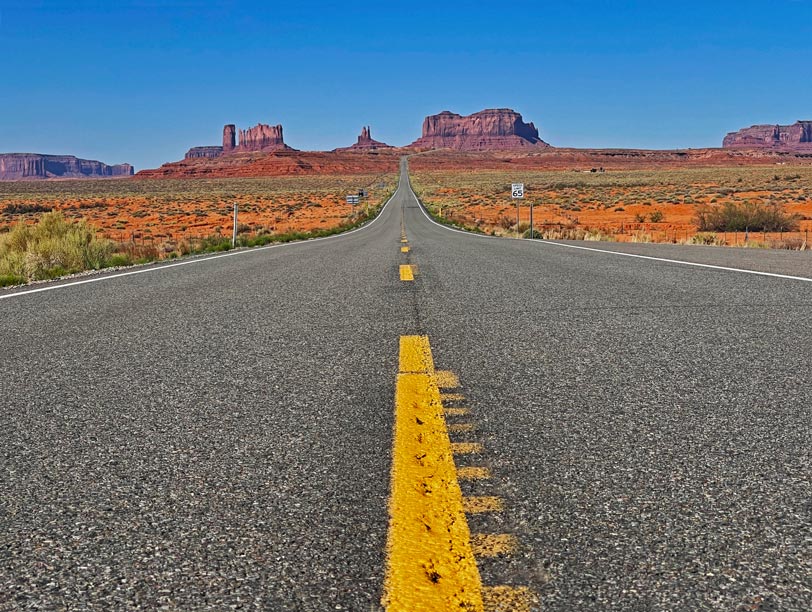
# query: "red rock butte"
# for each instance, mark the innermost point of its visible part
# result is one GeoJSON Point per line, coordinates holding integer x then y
{"type": "Point", "coordinates": [493, 129]}
{"type": "Point", "coordinates": [261, 137]}
{"type": "Point", "coordinates": [366, 142]}
{"type": "Point", "coordinates": [797, 137]}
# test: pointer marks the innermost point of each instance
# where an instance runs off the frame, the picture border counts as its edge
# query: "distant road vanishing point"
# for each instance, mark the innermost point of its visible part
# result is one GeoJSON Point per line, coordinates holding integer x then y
{"type": "Point", "coordinates": [408, 417]}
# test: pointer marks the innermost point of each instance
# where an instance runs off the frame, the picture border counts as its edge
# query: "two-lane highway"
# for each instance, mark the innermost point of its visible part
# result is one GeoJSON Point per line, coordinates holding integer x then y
{"type": "Point", "coordinates": [626, 433]}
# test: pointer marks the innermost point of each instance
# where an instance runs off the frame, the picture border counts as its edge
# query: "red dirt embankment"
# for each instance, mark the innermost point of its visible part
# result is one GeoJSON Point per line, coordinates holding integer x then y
{"type": "Point", "coordinates": [609, 159]}
{"type": "Point", "coordinates": [279, 163]}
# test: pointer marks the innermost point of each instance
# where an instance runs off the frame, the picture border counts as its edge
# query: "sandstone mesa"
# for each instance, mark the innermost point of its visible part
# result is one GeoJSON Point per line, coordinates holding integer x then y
{"type": "Point", "coordinates": [494, 129]}
{"type": "Point", "coordinates": [797, 137]}
{"type": "Point", "coordinates": [261, 150]}
{"type": "Point", "coordinates": [25, 166]}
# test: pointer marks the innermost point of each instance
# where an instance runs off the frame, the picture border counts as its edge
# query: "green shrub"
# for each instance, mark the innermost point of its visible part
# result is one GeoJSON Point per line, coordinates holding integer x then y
{"type": "Point", "coordinates": [741, 216]}
{"type": "Point", "coordinates": [54, 247]}
{"type": "Point", "coordinates": [10, 279]}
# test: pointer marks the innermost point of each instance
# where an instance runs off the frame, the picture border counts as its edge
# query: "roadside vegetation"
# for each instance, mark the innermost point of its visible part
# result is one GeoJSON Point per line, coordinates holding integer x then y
{"type": "Point", "coordinates": [53, 247]}
{"type": "Point", "coordinates": [746, 216]}
{"type": "Point", "coordinates": [756, 206]}
{"type": "Point", "coordinates": [48, 230]}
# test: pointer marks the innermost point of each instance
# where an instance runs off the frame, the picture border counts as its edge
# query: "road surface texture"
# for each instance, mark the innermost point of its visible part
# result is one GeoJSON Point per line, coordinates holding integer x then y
{"type": "Point", "coordinates": [219, 435]}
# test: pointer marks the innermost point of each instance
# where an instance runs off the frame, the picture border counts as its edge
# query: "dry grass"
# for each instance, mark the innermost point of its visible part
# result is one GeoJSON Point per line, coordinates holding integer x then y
{"type": "Point", "coordinates": [144, 220]}
{"type": "Point", "coordinates": [165, 212]}
{"type": "Point", "coordinates": [627, 205]}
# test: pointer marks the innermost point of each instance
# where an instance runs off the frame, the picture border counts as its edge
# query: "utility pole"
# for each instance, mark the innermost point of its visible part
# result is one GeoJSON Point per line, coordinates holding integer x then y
{"type": "Point", "coordinates": [234, 232]}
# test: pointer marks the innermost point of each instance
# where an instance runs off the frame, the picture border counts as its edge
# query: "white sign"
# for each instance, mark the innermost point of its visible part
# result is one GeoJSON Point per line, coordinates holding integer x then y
{"type": "Point", "coordinates": [352, 199]}
{"type": "Point", "coordinates": [517, 190]}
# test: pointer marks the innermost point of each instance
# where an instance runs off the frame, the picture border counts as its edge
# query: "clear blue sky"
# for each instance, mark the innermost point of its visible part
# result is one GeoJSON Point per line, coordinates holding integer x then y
{"type": "Point", "coordinates": [142, 80]}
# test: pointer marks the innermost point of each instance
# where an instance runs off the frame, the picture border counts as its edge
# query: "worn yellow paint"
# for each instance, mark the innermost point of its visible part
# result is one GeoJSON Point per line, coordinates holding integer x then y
{"type": "Point", "coordinates": [478, 505]}
{"type": "Point", "coordinates": [466, 448]}
{"type": "Point", "coordinates": [404, 240]}
{"type": "Point", "coordinates": [473, 473]}
{"type": "Point", "coordinates": [417, 358]}
{"type": "Point", "coordinates": [406, 273]}
{"type": "Point", "coordinates": [447, 379]}
{"type": "Point", "coordinates": [493, 544]}
{"type": "Point", "coordinates": [404, 249]}
{"type": "Point", "coordinates": [460, 428]}
{"type": "Point", "coordinates": [451, 397]}
{"type": "Point", "coordinates": [430, 563]}
{"type": "Point", "coordinates": [509, 599]}
{"type": "Point", "coordinates": [456, 411]}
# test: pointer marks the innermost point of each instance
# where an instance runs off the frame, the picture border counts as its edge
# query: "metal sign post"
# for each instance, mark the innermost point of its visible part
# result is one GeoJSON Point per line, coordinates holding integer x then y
{"type": "Point", "coordinates": [352, 200]}
{"type": "Point", "coordinates": [517, 193]}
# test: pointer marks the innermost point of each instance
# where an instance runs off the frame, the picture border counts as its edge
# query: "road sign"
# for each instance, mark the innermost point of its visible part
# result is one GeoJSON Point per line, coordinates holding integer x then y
{"type": "Point", "coordinates": [352, 200]}
{"type": "Point", "coordinates": [517, 191]}
{"type": "Point", "coordinates": [362, 193]}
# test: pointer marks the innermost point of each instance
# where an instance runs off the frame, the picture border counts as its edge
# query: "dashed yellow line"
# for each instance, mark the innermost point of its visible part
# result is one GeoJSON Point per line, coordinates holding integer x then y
{"type": "Point", "coordinates": [404, 249]}
{"type": "Point", "coordinates": [430, 562]}
{"type": "Point", "coordinates": [452, 397]}
{"type": "Point", "coordinates": [466, 448]}
{"type": "Point", "coordinates": [493, 544]}
{"type": "Point", "coordinates": [473, 473]}
{"type": "Point", "coordinates": [509, 599]}
{"type": "Point", "coordinates": [456, 411]}
{"type": "Point", "coordinates": [479, 505]}
{"type": "Point", "coordinates": [460, 428]}
{"type": "Point", "coordinates": [447, 379]}
{"type": "Point", "coordinates": [406, 273]}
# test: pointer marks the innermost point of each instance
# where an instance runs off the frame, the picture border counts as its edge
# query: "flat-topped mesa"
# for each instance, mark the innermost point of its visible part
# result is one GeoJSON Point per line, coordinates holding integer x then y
{"type": "Point", "coordinates": [366, 142]}
{"type": "Point", "coordinates": [797, 136]}
{"type": "Point", "coordinates": [24, 166]}
{"type": "Point", "coordinates": [203, 152]}
{"type": "Point", "coordinates": [488, 130]}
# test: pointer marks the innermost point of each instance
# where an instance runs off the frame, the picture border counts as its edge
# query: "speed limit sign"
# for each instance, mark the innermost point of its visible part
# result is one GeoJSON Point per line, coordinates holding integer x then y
{"type": "Point", "coordinates": [518, 191]}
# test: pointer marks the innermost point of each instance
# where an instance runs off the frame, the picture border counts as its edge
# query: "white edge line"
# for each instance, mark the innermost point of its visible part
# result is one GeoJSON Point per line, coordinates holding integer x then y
{"type": "Point", "coordinates": [160, 267]}
{"type": "Point", "coordinates": [618, 253]}
{"type": "Point", "coordinates": [445, 227]}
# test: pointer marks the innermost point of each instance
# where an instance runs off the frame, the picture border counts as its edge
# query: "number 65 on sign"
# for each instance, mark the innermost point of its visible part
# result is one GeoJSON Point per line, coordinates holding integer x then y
{"type": "Point", "coordinates": [517, 190]}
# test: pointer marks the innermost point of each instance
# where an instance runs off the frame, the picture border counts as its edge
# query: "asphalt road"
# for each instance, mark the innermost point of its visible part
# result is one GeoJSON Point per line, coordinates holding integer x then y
{"type": "Point", "coordinates": [218, 435]}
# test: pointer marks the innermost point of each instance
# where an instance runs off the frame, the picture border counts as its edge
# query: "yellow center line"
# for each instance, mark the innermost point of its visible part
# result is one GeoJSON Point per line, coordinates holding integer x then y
{"type": "Point", "coordinates": [406, 273]}
{"type": "Point", "coordinates": [430, 562]}
{"type": "Point", "coordinates": [404, 249]}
